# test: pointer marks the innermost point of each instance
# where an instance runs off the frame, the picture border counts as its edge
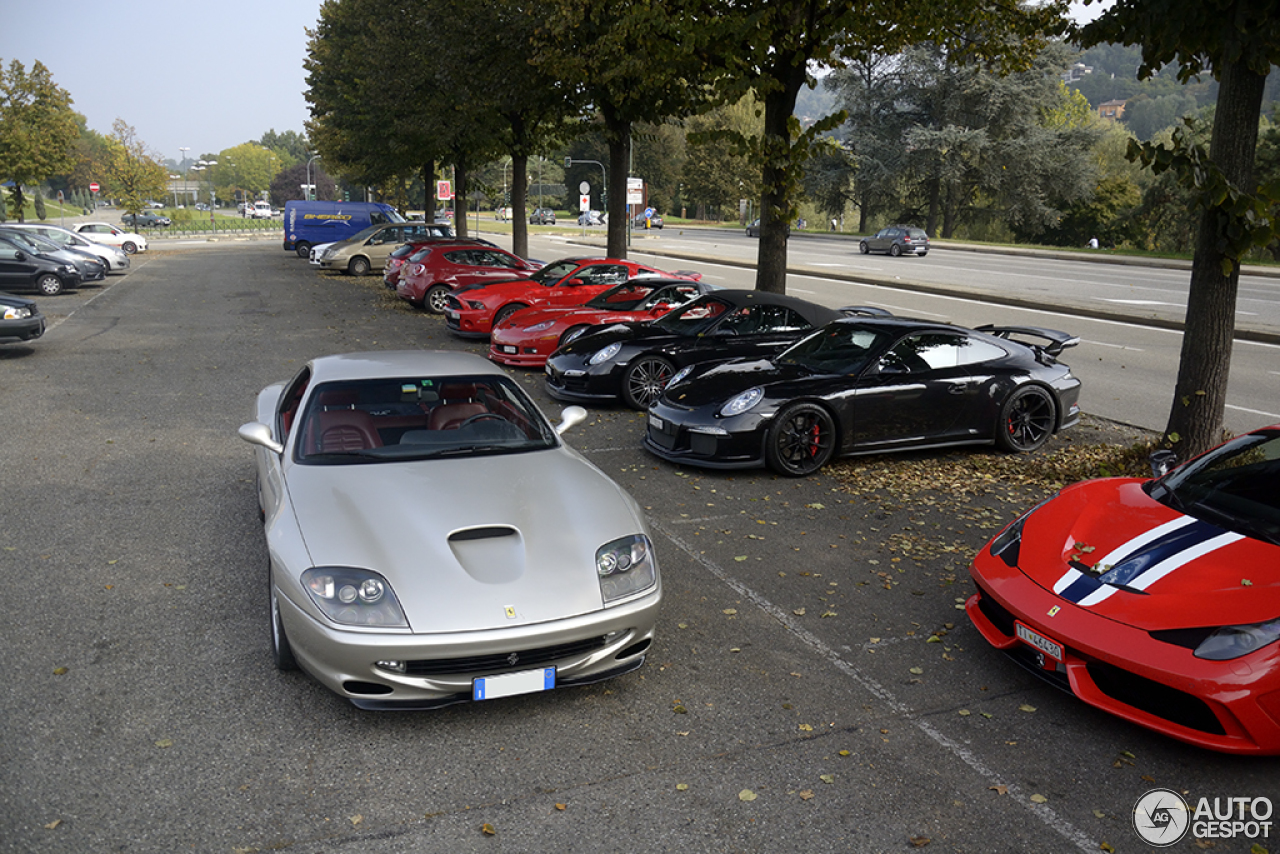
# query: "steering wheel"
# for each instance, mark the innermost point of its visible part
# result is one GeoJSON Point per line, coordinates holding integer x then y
{"type": "Point", "coordinates": [479, 416]}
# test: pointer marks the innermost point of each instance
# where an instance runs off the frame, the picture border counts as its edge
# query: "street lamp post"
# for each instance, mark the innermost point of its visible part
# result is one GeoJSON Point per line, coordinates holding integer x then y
{"type": "Point", "coordinates": [311, 190]}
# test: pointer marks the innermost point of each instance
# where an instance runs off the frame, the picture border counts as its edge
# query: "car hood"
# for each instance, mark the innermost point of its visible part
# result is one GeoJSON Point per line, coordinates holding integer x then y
{"type": "Point", "coordinates": [402, 520]}
{"type": "Point", "coordinates": [1176, 571]}
{"type": "Point", "coordinates": [719, 383]}
{"type": "Point", "coordinates": [521, 283]}
{"type": "Point", "coordinates": [627, 330]}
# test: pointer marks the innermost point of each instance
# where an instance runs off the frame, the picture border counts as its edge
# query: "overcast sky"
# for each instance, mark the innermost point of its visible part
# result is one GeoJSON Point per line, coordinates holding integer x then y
{"type": "Point", "coordinates": [206, 76]}
{"type": "Point", "coordinates": [202, 76]}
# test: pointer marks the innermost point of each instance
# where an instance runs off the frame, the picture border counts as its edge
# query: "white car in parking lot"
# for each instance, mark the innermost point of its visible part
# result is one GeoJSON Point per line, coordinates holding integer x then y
{"type": "Point", "coordinates": [105, 232]}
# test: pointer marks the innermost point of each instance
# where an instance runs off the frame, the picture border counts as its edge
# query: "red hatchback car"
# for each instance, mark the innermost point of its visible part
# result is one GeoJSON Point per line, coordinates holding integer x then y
{"type": "Point", "coordinates": [474, 310]}
{"type": "Point", "coordinates": [526, 338]}
{"type": "Point", "coordinates": [1157, 600]}
{"type": "Point", "coordinates": [440, 267]}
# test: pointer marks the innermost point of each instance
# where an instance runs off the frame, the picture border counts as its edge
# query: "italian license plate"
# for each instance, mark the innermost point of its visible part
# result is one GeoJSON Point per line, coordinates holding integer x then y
{"type": "Point", "coordinates": [1051, 648]}
{"type": "Point", "coordinates": [655, 422]}
{"type": "Point", "coordinates": [452, 315]}
{"type": "Point", "coordinates": [511, 684]}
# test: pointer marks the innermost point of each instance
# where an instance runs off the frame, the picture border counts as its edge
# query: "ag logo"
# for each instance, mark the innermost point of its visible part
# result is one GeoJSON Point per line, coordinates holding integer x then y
{"type": "Point", "coordinates": [1161, 817]}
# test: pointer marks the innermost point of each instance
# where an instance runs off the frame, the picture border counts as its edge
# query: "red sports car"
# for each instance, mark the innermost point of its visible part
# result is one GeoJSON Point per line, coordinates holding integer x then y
{"type": "Point", "coordinates": [473, 311]}
{"type": "Point", "coordinates": [1156, 600]}
{"type": "Point", "coordinates": [439, 267]}
{"type": "Point", "coordinates": [527, 337]}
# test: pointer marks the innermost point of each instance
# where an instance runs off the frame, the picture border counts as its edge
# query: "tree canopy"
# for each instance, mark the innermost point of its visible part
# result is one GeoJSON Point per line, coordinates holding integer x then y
{"type": "Point", "coordinates": [38, 129]}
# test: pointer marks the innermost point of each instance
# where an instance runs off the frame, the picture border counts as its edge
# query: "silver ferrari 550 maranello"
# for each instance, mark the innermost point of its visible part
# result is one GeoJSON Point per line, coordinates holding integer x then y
{"type": "Point", "coordinates": [433, 541]}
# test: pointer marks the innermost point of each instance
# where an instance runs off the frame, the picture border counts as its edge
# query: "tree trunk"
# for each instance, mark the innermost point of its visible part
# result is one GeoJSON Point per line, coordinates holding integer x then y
{"type": "Point", "coordinates": [619, 136]}
{"type": "Point", "coordinates": [429, 188]}
{"type": "Point", "coordinates": [1200, 395]}
{"type": "Point", "coordinates": [778, 175]}
{"type": "Point", "coordinates": [519, 202]}
{"type": "Point", "coordinates": [935, 191]}
{"type": "Point", "coordinates": [460, 197]}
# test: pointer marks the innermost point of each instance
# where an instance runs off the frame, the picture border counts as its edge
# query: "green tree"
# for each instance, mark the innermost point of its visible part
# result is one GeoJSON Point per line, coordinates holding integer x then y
{"type": "Point", "coordinates": [770, 46]}
{"type": "Point", "coordinates": [134, 173]}
{"type": "Point", "coordinates": [1238, 42]}
{"type": "Point", "coordinates": [247, 169]}
{"type": "Point", "coordinates": [718, 170]}
{"type": "Point", "coordinates": [38, 129]}
{"type": "Point", "coordinates": [290, 147]}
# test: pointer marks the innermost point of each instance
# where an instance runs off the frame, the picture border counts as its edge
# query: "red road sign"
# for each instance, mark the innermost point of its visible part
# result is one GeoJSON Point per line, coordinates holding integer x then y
{"type": "Point", "coordinates": [93, 188]}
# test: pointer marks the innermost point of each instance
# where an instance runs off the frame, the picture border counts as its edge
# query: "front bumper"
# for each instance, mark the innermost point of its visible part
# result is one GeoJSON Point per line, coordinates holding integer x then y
{"type": "Point", "coordinates": [468, 323]}
{"type": "Point", "coordinates": [571, 379]}
{"type": "Point", "coordinates": [26, 329]}
{"type": "Point", "coordinates": [1230, 706]}
{"type": "Point", "coordinates": [440, 669]}
{"type": "Point", "coordinates": [735, 443]}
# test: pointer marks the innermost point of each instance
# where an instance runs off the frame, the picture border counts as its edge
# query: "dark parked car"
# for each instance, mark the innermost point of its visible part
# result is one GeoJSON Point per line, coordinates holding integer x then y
{"type": "Point", "coordinates": [654, 221]}
{"type": "Point", "coordinates": [633, 361]}
{"type": "Point", "coordinates": [897, 240]}
{"type": "Point", "coordinates": [90, 267]}
{"type": "Point", "coordinates": [542, 216]}
{"type": "Point", "coordinates": [869, 384]}
{"type": "Point", "coordinates": [753, 230]}
{"type": "Point", "coordinates": [23, 269]}
{"type": "Point", "coordinates": [20, 320]}
{"type": "Point", "coordinates": [146, 219]}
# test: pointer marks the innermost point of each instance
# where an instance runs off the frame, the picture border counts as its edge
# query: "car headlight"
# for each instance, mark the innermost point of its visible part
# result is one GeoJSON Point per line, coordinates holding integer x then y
{"type": "Point", "coordinates": [1231, 642]}
{"type": "Point", "coordinates": [475, 304]}
{"type": "Point", "coordinates": [538, 327]}
{"type": "Point", "coordinates": [16, 312]}
{"type": "Point", "coordinates": [742, 402]}
{"type": "Point", "coordinates": [680, 374]}
{"type": "Point", "coordinates": [626, 567]}
{"type": "Point", "coordinates": [354, 597]}
{"type": "Point", "coordinates": [326, 254]}
{"type": "Point", "coordinates": [68, 268]}
{"type": "Point", "coordinates": [606, 354]}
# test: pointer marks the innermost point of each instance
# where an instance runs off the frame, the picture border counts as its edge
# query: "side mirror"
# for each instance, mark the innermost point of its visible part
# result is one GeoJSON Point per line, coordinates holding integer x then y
{"type": "Point", "coordinates": [257, 433]}
{"type": "Point", "coordinates": [19, 255]}
{"type": "Point", "coordinates": [570, 417]}
{"type": "Point", "coordinates": [884, 368]}
{"type": "Point", "coordinates": [1162, 462]}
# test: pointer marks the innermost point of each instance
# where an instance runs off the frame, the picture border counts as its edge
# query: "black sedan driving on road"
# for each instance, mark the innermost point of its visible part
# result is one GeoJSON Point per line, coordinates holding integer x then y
{"type": "Point", "coordinates": [869, 385]}
{"type": "Point", "coordinates": [633, 361]}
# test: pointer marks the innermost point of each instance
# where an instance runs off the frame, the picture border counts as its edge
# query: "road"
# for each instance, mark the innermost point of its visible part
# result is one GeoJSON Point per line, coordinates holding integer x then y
{"type": "Point", "coordinates": [813, 686]}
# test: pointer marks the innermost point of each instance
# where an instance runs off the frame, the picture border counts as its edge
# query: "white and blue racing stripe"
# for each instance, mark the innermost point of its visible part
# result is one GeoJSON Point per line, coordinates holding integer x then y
{"type": "Point", "coordinates": [1145, 559]}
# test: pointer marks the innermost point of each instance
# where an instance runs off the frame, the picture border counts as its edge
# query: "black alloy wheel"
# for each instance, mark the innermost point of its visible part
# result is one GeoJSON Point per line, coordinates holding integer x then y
{"type": "Point", "coordinates": [864, 248]}
{"type": "Point", "coordinates": [505, 312]}
{"type": "Point", "coordinates": [1026, 419]}
{"type": "Point", "coordinates": [895, 250]}
{"type": "Point", "coordinates": [801, 440]}
{"type": "Point", "coordinates": [644, 381]}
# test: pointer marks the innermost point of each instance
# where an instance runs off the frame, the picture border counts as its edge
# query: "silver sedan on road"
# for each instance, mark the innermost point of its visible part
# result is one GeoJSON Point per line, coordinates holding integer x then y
{"type": "Point", "coordinates": [433, 541]}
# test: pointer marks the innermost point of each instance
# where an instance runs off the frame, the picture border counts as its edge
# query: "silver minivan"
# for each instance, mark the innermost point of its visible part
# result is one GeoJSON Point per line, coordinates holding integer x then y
{"type": "Point", "coordinates": [368, 249]}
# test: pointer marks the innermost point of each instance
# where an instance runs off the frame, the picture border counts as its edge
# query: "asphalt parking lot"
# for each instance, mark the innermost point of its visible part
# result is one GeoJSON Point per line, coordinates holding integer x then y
{"type": "Point", "coordinates": [813, 686]}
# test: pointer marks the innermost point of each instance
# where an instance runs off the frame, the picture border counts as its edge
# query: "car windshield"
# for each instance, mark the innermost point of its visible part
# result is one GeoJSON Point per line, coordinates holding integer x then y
{"type": "Point", "coordinates": [31, 242]}
{"type": "Point", "coordinates": [555, 271]}
{"type": "Point", "coordinates": [365, 233]}
{"type": "Point", "coordinates": [838, 348]}
{"type": "Point", "coordinates": [693, 318]}
{"type": "Point", "coordinates": [415, 418]}
{"type": "Point", "coordinates": [637, 294]}
{"type": "Point", "coordinates": [1233, 487]}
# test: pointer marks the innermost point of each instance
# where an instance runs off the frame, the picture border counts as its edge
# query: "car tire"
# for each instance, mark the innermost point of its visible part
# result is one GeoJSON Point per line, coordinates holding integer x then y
{"type": "Point", "coordinates": [801, 440]}
{"type": "Point", "coordinates": [573, 332]}
{"type": "Point", "coordinates": [358, 266]}
{"type": "Point", "coordinates": [281, 650]}
{"type": "Point", "coordinates": [864, 248]}
{"type": "Point", "coordinates": [1027, 418]}
{"type": "Point", "coordinates": [895, 250]}
{"type": "Point", "coordinates": [644, 380]}
{"type": "Point", "coordinates": [302, 249]}
{"type": "Point", "coordinates": [505, 312]}
{"type": "Point", "coordinates": [922, 254]}
{"type": "Point", "coordinates": [129, 247]}
{"type": "Point", "coordinates": [436, 299]}
{"type": "Point", "coordinates": [49, 285]}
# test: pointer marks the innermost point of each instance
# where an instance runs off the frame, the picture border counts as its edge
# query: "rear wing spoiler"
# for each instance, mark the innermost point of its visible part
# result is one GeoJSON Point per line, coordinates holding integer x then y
{"type": "Point", "coordinates": [1057, 340]}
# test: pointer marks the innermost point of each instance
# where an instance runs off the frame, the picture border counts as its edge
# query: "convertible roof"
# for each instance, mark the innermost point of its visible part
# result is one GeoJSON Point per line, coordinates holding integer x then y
{"type": "Point", "coordinates": [810, 311]}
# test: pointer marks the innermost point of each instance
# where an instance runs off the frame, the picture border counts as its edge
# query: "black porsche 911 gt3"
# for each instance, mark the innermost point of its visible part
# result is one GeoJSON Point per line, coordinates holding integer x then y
{"type": "Point", "coordinates": [633, 361]}
{"type": "Point", "coordinates": [869, 385]}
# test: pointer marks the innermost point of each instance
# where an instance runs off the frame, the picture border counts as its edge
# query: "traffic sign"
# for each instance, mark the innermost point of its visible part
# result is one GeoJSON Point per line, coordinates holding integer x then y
{"type": "Point", "coordinates": [444, 190]}
{"type": "Point", "coordinates": [93, 188]}
{"type": "Point", "coordinates": [584, 203]}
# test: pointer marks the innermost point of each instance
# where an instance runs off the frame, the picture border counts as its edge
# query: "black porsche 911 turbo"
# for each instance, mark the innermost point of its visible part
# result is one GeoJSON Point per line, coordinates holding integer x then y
{"type": "Point", "coordinates": [869, 385]}
{"type": "Point", "coordinates": [633, 361]}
